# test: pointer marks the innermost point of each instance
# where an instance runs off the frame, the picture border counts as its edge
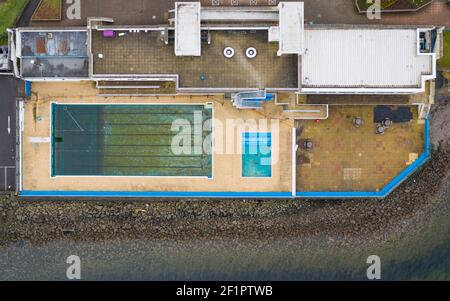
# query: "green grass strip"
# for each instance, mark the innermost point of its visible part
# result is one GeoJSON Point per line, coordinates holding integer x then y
{"type": "Point", "coordinates": [10, 11]}
{"type": "Point", "coordinates": [444, 62]}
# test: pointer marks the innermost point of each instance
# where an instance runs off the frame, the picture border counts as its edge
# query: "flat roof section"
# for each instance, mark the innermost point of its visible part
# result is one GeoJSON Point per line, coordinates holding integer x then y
{"type": "Point", "coordinates": [187, 29]}
{"type": "Point", "coordinates": [55, 67]}
{"type": "Point", "coordinates": [146, 53]}
{"type": "Point", "coordinates": [291, 27]}
{"type": "Point", "coordinates": [53, 43]}
{"type": "Point", "coordinates": [240, 14]}
{"type": "Point", "coordinates": [363, 58]}
{"type": "Point", "coordinates": [52, 54]}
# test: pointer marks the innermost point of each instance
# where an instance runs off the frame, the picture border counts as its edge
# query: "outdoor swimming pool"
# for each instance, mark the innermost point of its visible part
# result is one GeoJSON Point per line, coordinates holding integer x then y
{"type": "Point", "coordinates": [256, 155]}
{"type": "Point", "coordinates": [127, 140]}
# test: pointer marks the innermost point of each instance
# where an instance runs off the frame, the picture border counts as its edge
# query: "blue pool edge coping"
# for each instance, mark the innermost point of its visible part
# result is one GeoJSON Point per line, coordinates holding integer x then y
{"type": "Point", "coordinates": [269, 195]}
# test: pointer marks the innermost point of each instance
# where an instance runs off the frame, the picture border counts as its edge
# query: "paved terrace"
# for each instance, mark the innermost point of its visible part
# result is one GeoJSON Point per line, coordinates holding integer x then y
{"type": "Point", "coordinates": [346, 158]}
{"type": "Point", "coordinates": [146, 53]}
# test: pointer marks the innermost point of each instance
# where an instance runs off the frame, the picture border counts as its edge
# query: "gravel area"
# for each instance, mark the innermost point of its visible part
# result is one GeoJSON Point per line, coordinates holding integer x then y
{"type": "Point", "coordinates": [344, 222]}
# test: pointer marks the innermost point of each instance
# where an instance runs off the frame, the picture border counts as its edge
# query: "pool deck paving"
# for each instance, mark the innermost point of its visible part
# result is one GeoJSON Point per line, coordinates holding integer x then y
{"type": "Point", "coordinates": [227, 170]}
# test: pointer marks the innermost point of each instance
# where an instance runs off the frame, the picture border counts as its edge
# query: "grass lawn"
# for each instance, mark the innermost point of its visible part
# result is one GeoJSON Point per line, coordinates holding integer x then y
{"type": "Point", "coordinates": [10, 11]}
{"type": "Point", "coordinates": [446, 75]}
{"type": "Point", "coordinates": [48, 10]}
{"type": "Point", "coordinates": [444, 62]}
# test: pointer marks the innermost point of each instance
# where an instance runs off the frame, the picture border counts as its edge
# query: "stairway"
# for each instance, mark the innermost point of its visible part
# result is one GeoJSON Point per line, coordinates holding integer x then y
{"type": "Point", "coordinates": [250, 99]}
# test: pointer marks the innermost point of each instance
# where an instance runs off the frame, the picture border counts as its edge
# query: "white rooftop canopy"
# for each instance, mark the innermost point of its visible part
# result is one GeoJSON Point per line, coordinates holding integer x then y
{"type": "Point", "coordinates": [187, 29]}
{"type": "Point", "coordinates": [253, 14]}
{"type": "Point", "coordinates": [291, 15]}
{"type": "Point", "coordinates": [364, 58]}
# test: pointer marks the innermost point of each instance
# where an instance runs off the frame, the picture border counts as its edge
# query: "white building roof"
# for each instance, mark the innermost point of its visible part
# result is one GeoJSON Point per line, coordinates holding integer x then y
{"type": "Point", "coordinates": [187, 29]}
{"type": "Point", "coordinates": [251, 13]}
{"type": "Point", "coordinates": [364, 58]}
{"type": "Point", "coordinates": [291, 27]}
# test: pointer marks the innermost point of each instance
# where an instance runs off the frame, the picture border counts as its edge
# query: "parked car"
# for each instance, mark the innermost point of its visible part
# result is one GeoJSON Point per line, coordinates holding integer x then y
{"type": "Point", "coordinates": [3, 51]}
{"type": "Point", "coordinates": [4, 64]}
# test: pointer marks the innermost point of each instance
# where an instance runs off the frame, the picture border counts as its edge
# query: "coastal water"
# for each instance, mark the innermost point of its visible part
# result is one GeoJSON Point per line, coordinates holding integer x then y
{"type": "Point", "coordinates": [416, 256]}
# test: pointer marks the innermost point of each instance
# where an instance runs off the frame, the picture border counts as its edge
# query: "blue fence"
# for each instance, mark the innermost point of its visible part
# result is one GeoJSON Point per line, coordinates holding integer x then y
{"type": "Point", "coordinates": [27, 88]}
{"type": "Point", "coordinates": [155, 194]}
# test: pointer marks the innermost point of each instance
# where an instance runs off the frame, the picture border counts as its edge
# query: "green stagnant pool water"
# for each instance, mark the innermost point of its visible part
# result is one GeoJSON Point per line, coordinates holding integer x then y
{"type": "Point", "coordinates": [130, 140]}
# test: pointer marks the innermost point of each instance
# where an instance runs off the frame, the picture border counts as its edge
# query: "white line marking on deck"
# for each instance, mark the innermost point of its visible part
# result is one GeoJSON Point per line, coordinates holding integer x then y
{"type": "Point", "coordinates": [9, 125]}
{"type": "Point", "coordinates": [39, 139]}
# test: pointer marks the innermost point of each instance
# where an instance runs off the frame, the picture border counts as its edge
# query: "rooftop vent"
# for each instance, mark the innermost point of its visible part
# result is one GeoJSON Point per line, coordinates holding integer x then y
{"type": "Point", "coordinates": [380, 129]}
{"type": "Point", "coordinates": [228, 52]}
{"type": "Point", "coordinates": [357, 122]}
{"type": "Point", "coordinates": [251, 52]}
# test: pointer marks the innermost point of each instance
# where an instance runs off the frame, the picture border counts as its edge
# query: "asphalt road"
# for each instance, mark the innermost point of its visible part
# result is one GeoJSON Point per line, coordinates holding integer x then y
{"type": "Point", "coordinates": [25, 18]}
{"type": "Point", "coordinates": [8, 94]}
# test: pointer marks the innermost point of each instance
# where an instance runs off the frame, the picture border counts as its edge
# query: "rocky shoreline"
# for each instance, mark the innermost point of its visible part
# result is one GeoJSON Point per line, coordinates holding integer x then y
{"type": "Point", "coordinates": [344, 222]}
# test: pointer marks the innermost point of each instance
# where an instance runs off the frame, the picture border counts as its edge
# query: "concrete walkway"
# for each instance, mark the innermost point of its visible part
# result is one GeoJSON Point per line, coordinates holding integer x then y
{"type": "Point", "coordinates": [25, 18]}
{"type": "Point", "coordinates": [437, 13]}
{"type": "Point", "coordinates": [345, 12]}
{"type": "Point", "coordinates": [138, 12]}
{"type": "Point", "coordinates": [8, 86]}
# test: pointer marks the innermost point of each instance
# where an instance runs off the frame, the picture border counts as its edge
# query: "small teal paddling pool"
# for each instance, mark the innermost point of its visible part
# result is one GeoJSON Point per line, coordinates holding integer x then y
{"type": "Point", "coordinates": [257, 155]}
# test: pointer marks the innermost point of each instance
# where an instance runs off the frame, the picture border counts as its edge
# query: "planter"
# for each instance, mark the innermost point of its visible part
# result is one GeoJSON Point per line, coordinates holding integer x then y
{"type": "Point", "coordinates": [392, 6]}
{"type": "Point", "coordinates": [48, 10]}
